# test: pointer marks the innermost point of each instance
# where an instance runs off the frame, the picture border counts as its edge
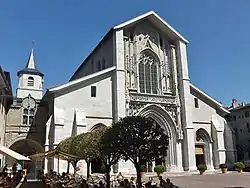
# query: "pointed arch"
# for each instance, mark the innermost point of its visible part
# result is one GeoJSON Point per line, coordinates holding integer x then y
{"type": "Point", "coordinates": [149, 72]}
{"type": "Point", "coordinates": [97, 126]}
{"type": "Point", "coordinates": [203, 136]}
{"type": "Point", "coordinates": [162, 117]}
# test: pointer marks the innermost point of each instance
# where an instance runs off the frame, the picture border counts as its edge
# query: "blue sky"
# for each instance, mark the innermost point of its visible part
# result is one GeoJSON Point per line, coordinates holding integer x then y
{"type": "Point", "coordinates": [65, 32]}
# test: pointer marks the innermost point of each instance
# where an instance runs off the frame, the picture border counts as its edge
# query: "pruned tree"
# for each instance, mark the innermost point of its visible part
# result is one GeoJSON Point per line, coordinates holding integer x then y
{"type": "Point", "coordinates": [86, 146]}
{"type": "Point", "coordinates": [139, 139]}
{"type": "Point", "coordinates": [66, 147]}
{"type": "Point", "coordinates": [109, 152]}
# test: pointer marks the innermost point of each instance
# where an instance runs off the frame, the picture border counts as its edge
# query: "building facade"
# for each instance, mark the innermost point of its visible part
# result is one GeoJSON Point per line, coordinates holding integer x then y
{"type": "Point", "coordinates": [24, 132]}
{"type": "Point", "coordinates": [5, 102]}
{"type": "Point", "coordinates": [140, 67]}
{"type": "Point", "coordinates": [239, 120]}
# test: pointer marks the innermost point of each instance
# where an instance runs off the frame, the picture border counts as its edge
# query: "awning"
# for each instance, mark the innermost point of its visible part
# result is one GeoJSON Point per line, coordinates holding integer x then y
{"type": "Point", "coordinates": [55, 154]}
{"type": "Point", "coordinates": [13, 154]}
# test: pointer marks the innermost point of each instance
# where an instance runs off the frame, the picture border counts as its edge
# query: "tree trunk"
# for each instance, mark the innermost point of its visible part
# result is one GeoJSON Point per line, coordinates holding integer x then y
{"type": "Point", "coordinates": [88, 169]}
{"type": "Point", "coordinates": [68, 167]}
{"type": "Point", "coordinates": [108, 176]}
{"type": "Point", "coordinates": [138, 173]}
{"type": "Point", "coordinates": [75, 163]}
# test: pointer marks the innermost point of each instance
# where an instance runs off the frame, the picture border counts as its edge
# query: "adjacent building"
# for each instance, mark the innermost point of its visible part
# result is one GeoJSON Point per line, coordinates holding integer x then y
{"type": "Point", "coordinates": [5, 101]}
{"type": "Point", "coordinates": [239, 120]}
{"type": "Point", "coordinates": [24, 132]}
{"type": "Point", "coordinates": [140, 67]}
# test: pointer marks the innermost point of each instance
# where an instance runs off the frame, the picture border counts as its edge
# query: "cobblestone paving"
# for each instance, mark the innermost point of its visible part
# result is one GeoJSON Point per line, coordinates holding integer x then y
{"type": "Point", "coordinates": [229, 180]}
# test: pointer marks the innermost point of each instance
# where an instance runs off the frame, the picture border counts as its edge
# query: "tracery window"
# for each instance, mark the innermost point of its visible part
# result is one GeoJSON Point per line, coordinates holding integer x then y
{"type": "Point", "coordinates": [28, 116]}
{"type": "Point", "coordinates": [148, 73]}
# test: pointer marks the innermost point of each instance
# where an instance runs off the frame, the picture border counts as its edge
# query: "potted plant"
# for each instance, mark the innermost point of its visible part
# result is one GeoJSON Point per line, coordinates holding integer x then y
{"type": "Point", "coordinates": [239, 166]}
{"type": "Point", "coordinates": [159, 169]}
{"type": "Point", "coordinates": [202, 168]}
{"type": "Point", "coordinates": [223, 168]}
{"type": "Point", "coordinates": [143, 169]}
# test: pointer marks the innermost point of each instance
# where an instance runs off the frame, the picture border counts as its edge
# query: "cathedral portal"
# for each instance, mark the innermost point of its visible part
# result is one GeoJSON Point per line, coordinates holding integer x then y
{"type": "Point", "coordinates": [173, 158]}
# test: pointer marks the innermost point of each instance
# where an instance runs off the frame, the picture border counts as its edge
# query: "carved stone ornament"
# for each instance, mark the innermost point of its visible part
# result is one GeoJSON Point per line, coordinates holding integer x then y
{"type": "Point", "coordinates": [134, 108]}
{"type": "Point", "coordinates": [152, 98]}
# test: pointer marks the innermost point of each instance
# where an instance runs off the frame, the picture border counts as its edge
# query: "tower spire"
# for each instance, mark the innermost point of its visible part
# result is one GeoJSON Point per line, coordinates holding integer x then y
{"type": "Point", "coordinates": [31, 61]}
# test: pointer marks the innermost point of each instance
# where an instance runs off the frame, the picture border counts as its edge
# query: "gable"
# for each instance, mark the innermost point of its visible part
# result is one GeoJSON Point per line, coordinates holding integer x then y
{"type": "Point", "coordinates": [157, 21]}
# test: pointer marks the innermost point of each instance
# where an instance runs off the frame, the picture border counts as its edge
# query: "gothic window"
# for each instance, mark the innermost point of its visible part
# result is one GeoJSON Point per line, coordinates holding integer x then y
{"type": "Point", "coordinates": [148, 73]}
{"type": "Point", "coordinates": [103, 64]}
{"type": "Point", "coordinates": [99, 66]}
{"type": "Point", "coordinates": [30, 81]}
{"type": "Point", "coordinates": [92, 66]}
{"type": "Point", "coordinates": [28, 116]}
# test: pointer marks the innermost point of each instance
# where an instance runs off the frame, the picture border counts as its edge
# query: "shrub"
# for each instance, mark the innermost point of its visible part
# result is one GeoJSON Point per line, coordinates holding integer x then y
{"type": "Point", "coordinates": [143, 168]}
{"type": "Point", "coordinates": [223, 165]}
{"type": "Point", "coordinates": [247, 166]}
{"type": "Point", "coordinates": [239, 165]}
{"type": "Point", "coordinates": [202, 167]}
{"type": "Point", "coordinates": [159, 169]}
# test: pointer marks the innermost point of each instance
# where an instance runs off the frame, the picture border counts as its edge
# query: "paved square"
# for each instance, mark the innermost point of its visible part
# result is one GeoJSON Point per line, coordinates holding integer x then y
{"type": "Point", "coordinates": [231, 179]}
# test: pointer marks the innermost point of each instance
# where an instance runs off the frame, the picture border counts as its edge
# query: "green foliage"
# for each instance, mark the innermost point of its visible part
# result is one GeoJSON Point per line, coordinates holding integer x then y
{"type": "Point", "coordinates": [109, 151]}
{"type": "Point", "coordinates": [86, 146]}
{"type": "Point", "coordinates": [143, 168]}
{"type": "Point", "coordinates": [202, 167]}
{"type": "Point", "coordinates": [159, 169]}
{"type": "Point", "coordinates": [65, 145]}
{"type": "Point", "coordinates": [239, 165]}
{"type": "Point", "coordinates": [223, 165]}
{"type": "Point", "coordinates": [139, 139]}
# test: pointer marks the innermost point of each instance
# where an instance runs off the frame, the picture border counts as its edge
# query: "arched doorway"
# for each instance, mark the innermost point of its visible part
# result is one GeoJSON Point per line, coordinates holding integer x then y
{"type": "Point", "coordinates": [161, 117]}
{"type": "Point", "coordinates": [203, 148]}
{"type": "Point", "coordinates": [96, 164]}
{"type": "Point", "coordinates": [27, 147]}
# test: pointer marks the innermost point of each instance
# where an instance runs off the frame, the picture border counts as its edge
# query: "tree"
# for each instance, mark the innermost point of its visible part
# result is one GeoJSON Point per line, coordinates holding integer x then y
{"type": "Point", "coordinates": [66, 147]}
{"type": "Point", "coordinates": [86, 146]}
{"type": "Point", "coordinates": [139, 139]}
{"type": "Point", "coordinates": [109, 153]}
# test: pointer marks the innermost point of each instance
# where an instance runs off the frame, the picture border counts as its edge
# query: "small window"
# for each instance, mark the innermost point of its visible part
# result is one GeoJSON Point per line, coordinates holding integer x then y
{"type": "Point", "coordinates": [25, 120]}
{"type": "Point", "coordinates": [31, 120]}
{"type": "Point", "coordinates": [131, 37]}
{"type": "Point", "coordinates": [32, 111]}
{"type": "Point", "coordinates": [247, 114]}
{"type": "Point", "coordinates": [93, 91]}
{"type": "Point", "coordinates": [196, 103]}
{"type": "Point", "coordinates": [161, 42]}
{"type": "Point", "coordinates": [234, 118]}
{"type": "Point", "coordinates": [25, 111]}
{"type": "Point", "coordinates": [99, 66]}
{"type": "Point", "coordinates": [103, 64]}
{"type": "Point", "coordinates": [92, 66]}
{"type": "Point", "coordinates": [248, 128]}
{"type": "Point", "coordinates": [30, 81]}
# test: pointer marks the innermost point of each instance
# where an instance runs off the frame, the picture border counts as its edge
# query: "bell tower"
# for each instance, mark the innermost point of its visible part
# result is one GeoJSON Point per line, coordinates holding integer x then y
{"type": "Point", "coordinates": [30, 80]}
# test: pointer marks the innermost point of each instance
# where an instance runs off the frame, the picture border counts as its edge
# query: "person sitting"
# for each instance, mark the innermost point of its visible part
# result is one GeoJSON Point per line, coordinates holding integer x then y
{"type": "Point", "coordinates": [162, 181]}
{"type": "Point", "coordinates": [169, 184]}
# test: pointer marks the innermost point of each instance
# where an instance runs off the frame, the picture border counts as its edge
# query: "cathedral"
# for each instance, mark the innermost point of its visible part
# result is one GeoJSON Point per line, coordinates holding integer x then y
{"type": "Point", "coordinates": [140, 67]}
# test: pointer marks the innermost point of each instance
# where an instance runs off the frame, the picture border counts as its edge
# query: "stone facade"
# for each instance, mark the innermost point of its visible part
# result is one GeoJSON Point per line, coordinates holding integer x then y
{"type": "Point", "coordinates": [147, 75]}
{"type": "Point", "coordinates": [5, 102]}
{"type": "Point", "coordinates": [239, 120]}
{"type": "Point", "coordinates": [24, 131]}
